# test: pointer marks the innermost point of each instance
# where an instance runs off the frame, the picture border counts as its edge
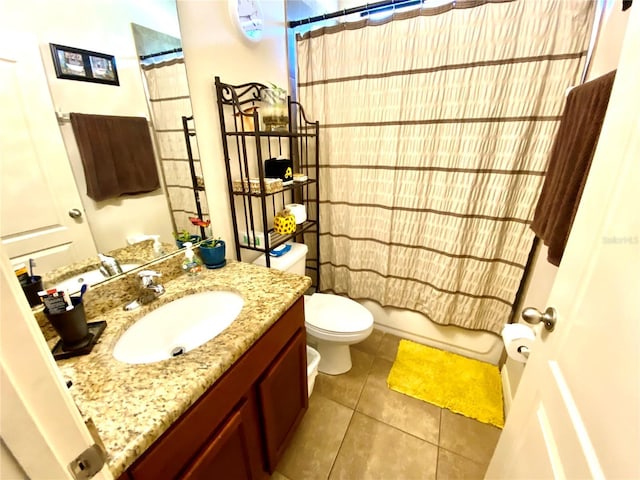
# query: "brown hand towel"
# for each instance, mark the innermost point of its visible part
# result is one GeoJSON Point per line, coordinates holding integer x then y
{"type": "Point", "coordinates": [117, 155]}
{"type": "Point", "coordinates": [569, 163]}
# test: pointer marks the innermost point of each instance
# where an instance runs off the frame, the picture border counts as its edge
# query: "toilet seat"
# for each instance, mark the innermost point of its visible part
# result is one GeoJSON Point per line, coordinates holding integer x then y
{"type": "Point", "coordinates": [336, 318]}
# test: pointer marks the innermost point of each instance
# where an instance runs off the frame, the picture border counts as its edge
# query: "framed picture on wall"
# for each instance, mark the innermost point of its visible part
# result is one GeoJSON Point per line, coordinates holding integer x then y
{"type": "Point", "coordinates": [77, 64]}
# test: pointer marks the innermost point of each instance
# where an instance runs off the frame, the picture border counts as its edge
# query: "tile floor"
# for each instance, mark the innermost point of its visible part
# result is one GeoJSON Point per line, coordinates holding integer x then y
{"type": "Point", "coordinates": [356, 428]}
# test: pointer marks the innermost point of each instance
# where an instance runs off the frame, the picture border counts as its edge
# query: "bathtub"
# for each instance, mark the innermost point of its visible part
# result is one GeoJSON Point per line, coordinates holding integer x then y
{"type": "Point", "coordinates": [480, 345]}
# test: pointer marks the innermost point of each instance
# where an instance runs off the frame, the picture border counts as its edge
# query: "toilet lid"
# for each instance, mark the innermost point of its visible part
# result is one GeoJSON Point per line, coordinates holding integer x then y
{"type": "Point", "coordinates": [336, 314]}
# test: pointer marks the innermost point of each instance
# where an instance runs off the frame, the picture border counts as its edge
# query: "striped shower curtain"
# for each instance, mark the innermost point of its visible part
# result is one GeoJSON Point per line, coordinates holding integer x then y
{"type": "Point", "coordinates": [169, 98]}
{"type": "Point", "coordinates": [435, 131]}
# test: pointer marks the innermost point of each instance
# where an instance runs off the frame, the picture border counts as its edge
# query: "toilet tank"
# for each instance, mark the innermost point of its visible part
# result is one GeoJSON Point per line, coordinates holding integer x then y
{"type": "Point", "coordinates": [293, 261]}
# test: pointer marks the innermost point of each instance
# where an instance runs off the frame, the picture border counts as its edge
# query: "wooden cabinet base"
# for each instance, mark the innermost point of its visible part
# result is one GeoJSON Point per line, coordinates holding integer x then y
{"type": "Point", "coordinates": [240, 427]}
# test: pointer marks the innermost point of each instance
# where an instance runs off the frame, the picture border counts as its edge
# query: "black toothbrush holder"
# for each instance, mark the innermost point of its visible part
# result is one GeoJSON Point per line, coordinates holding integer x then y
{"type": "Point", "coordinates": [71, 325]}
{"type": "Point", "coordinates": [31, 290]}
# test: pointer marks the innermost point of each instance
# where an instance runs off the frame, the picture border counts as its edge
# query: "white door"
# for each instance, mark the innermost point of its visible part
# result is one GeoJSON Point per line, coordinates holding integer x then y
{"type": "Point", "coordinates": [39, 422]}
{"type": "Point", "coordinates": [577, 410]}
{"type": "Point", "coordinates": [37, 188]}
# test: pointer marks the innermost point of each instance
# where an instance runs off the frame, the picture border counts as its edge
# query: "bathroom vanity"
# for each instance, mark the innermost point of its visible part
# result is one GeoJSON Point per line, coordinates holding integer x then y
{"type": "Point", "coordinates": [226, 409]}
{"type": "Point", "coordinates": [240, 426]}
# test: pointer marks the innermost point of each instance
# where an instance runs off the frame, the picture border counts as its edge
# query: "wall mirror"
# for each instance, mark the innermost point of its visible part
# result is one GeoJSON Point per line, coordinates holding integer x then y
{"type": "Point", "coordinates": [157, 90]}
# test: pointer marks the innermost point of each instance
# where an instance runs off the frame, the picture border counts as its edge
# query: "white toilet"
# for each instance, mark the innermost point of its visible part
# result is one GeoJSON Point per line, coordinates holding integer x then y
{"type": "Point", "coordinates": [333, 322]}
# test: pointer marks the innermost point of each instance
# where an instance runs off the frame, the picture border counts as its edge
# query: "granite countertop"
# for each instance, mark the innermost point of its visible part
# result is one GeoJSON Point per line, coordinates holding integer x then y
{"type": "Point", "coordinates": [132, 405]}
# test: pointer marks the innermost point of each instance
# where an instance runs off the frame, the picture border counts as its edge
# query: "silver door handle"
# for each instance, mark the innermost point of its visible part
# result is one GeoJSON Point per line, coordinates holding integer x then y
{"type": "Point", "coordinates": [75, 213]}
{"type": "Point", "coordinates": [533, 316]}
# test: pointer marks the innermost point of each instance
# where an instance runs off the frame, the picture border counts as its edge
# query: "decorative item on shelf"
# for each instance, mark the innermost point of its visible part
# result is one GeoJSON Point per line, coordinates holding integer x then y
{"type": "Point", "coordinates": [284, 222]}
{"type": "Point", "coordinates": [240, 186]}
{"type": "Point", "coordinates": [247, 118]}
{"type": "Point", "coordinates": [300, 177]}
{"type": "Point", "coordinates": [279, 167]}
{"type": "Point", "coordinates": [253, 238]}
{"type": "Point", "coordinates": [185, 236]}
{"type": "Point", "coordinates": [274, 111]}
{"type": "Point", "coordinates": [213, 252]}
{"type": "Point", "coordinates": [270, 185]}
{"type": "Point", "coordinates": [299, 211]}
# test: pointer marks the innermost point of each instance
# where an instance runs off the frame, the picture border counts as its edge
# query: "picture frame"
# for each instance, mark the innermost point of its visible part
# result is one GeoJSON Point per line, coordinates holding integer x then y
{"type": "Point", "coordinates": [84, 65]}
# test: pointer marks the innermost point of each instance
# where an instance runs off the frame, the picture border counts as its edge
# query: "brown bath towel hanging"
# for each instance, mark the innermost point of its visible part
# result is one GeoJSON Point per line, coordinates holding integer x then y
{"type": "Point", "coordinates": [117, 155]}
{"type": "Point", "coordinates": [569, 163]}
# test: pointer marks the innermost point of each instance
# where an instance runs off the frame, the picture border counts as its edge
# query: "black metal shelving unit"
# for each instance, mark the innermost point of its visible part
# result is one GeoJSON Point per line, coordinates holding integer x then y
{"type": "Point", "coordinates": [190, 133]}
{"type": "Point", "coordinates": [246, 147]}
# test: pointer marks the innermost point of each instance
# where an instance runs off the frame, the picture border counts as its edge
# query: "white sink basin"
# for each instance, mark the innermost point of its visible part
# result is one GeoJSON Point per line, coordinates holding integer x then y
{"type": "Point", "coordinates": [177, 327]}
{"type": "Point", "coordinates": [91, 277]}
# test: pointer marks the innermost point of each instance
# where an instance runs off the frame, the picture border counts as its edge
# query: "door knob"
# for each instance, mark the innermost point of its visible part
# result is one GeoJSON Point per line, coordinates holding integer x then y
{"type": "Point", "coordinates": [75, 213]}
{"type": "Point", "coordinates": [533, 316]}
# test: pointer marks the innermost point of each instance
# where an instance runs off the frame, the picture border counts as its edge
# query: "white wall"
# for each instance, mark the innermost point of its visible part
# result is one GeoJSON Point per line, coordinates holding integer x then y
{"type": "Point", "coordinates": [102, 26]}
{"type": "Point", "coordinates": [212, 47]}
{"type": "Point", "coordinates": [605, 58]}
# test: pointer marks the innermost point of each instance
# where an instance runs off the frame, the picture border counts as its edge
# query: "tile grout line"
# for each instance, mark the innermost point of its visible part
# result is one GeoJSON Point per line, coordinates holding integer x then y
{"type": "Point", "coordinates": [439, 447]}
{"type": "Point", "coordinates": [398, 429]}
{"type": "Point", "coordinates": [353, 411]}
{"type": "Point", "coordinates": [375, 355]}
{"type": "Point", "coordinates": [333, 463]}
{"type": "Point", "coordinates": [460, 455]}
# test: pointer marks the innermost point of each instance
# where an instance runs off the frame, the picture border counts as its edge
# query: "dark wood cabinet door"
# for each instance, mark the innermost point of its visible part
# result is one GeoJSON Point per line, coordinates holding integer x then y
{"type": "Point", "coordinates": [227, 456]}
{"type": "Point", "coordinates": [283, 397]}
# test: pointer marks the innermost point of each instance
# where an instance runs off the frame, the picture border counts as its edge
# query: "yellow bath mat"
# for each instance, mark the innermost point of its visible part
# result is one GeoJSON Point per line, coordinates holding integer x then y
{"type": "Point", "coordinates": [462, 385]}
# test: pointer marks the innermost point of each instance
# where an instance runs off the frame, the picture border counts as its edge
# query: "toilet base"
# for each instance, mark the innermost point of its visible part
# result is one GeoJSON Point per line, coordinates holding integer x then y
{"type": "Point", "coordinates": [335, 358]}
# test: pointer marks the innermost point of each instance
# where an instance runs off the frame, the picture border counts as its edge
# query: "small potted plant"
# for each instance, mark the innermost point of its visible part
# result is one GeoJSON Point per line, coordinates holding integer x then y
{"type": "Point", "coordinates": [185, 236]}
{"type": "Point", "coordinates": [212, 252]}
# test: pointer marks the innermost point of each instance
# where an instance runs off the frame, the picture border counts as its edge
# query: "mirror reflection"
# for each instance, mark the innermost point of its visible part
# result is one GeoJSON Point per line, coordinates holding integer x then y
{"type": "Point", "coordinates": [46, 214]}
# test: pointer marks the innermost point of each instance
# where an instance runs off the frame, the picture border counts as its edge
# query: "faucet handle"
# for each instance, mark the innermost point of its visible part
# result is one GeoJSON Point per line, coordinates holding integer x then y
{"type": "Point", "coordinates": [147, 276]}
{"type": "Point", "coordinates": [110, 265]}
{"type": "Point", "coordinates": [149, 273]}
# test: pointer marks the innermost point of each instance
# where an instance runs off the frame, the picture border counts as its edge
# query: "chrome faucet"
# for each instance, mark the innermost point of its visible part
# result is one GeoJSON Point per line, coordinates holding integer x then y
{"type": "Point", "coordinates": [109, 266]}
{"type": "Point", "coordinates": [149, 289]}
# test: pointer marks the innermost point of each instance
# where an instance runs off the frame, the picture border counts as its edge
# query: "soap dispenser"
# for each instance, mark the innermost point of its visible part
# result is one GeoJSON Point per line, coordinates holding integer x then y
{"type": "Point", "coordinates": [158, 251]}
{"type": "Point", "coordinates": [191, 264]}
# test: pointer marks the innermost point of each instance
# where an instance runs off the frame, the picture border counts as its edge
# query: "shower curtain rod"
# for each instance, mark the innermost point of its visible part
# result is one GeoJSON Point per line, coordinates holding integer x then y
{"type": "Point", "coordinates": [166, 52]}
{"type": "Point", "coordinates": [348, 11]}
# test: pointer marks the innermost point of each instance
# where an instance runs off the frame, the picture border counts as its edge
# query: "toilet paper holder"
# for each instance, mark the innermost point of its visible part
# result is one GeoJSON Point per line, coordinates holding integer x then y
{"type": "Point", "coordinates": [533, 316]}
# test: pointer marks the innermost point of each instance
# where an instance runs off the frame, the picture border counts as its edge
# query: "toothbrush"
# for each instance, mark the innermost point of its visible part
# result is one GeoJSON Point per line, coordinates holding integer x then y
{"type": "Point", "coordinates": [67, 300]}
{"type": "Point", "coordinates": [32, 263]}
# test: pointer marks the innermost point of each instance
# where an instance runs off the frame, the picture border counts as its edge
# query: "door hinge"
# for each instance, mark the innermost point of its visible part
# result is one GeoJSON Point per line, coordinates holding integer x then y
{"type": "Point", "coordinates": [88, 463]}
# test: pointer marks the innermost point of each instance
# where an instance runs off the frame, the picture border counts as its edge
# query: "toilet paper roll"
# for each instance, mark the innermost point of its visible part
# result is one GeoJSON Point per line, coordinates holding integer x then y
{"type": "Point", "coordinates": [299, 211]}
{"type": "Point", "coordinates": [518, 339]}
